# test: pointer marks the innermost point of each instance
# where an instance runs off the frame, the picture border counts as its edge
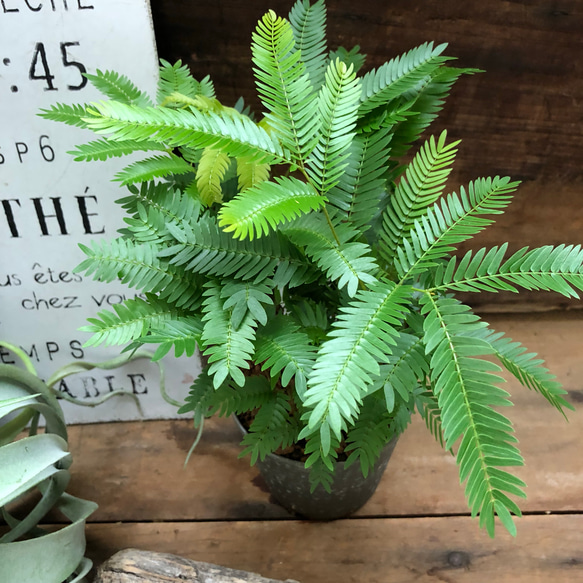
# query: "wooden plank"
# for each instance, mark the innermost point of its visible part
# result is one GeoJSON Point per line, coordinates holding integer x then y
{"type": "Point", "coordinates": [424, 550]}
{"type": "Point", "coordinates": [134, 470]}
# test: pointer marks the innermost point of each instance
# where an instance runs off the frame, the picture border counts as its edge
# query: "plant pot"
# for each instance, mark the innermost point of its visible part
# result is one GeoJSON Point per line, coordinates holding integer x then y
{"type": "Point", "coordinates": [289, 483]}
{"type": "Point", "coordinates": [54, 557]}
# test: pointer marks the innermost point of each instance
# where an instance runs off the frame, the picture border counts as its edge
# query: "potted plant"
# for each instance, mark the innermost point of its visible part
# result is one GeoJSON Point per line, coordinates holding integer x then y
{"type": "Point", "coordinates": [36, 472]}
{"type": "Point", "coordinates": [37, 465]}
{"type": "Point", "coordinates": [310, 265]}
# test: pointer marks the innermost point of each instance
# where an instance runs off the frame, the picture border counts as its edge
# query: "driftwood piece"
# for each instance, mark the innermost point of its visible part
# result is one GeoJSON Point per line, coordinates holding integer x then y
{"type": "Point", "coordinates": [135, 566]}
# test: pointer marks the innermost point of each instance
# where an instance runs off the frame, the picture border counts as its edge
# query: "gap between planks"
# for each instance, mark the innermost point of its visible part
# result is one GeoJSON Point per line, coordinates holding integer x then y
{"type": "Point", "coordinates": [452, 549]}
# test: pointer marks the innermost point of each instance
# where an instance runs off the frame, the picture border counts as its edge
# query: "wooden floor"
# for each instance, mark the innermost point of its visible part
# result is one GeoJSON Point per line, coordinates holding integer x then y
{"type": "Point", "coordinates": [415, 529]}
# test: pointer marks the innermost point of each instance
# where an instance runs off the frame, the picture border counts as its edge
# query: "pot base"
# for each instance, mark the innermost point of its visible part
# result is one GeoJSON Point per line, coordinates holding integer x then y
{"type": "Point", "coordinates": [289, 483]}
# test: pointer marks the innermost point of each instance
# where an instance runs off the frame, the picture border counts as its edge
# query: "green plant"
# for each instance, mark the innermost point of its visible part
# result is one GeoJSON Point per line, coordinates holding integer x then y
{"type": "Point", "coordinates": [38, 464]}
{"type": "Point", "coordinates": [300, 247]}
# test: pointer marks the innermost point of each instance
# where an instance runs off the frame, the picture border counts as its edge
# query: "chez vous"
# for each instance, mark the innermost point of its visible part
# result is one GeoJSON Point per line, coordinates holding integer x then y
{"type": "Point", "coordinates": [50, 5]}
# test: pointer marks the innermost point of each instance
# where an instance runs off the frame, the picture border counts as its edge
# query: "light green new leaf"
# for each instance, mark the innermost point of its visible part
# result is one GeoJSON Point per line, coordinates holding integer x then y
{"type": "Point", "coordinates": [118, 87]}
{"type": "Point", "coordinates": [418, 189]}
{"type": "Point", "coordinates": [236, 135]}
{"type": "Point", "coordinates": [258, 210]}
{"type": "Point", "coordinates": [210, 173]}
{"type": "Point", "coordinates": [337, 111]}
{"type": "Point", "coordinates": [250, 173]}
{"type": "Point", "coordinates": [284, 86]}
{"type": "Point", "coordinates": [154, 167]}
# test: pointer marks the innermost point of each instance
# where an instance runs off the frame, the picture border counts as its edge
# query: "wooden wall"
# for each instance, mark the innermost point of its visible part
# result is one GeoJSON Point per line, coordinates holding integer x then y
{"type": "Point", "coordinates": [523, 117]}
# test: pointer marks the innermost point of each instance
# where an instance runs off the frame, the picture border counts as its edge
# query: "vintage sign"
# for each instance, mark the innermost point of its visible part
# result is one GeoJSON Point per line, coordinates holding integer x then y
{"type": "Point", "coordinates": [49, 203]}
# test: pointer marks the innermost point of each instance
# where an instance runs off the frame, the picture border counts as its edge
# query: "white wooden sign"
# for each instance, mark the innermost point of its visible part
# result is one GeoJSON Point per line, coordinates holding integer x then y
{"type": "Point", "coordinates": [49, 203]}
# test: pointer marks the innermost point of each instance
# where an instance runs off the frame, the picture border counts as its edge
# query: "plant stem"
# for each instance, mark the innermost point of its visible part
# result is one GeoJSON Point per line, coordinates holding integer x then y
{"type": "Point", "coordinates": [324, 209]}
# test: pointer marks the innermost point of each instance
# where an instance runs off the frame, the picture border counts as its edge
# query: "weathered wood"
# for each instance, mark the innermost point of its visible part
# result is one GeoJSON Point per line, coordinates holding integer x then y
{"type": "Point", "coordinates": [403, 550]}
{"type": "Point", "coordinates": [520, 118]}
{"type": "Point", "coordinates": [134, 566]}
{"type": "Point", "coordinates": [135, 470]}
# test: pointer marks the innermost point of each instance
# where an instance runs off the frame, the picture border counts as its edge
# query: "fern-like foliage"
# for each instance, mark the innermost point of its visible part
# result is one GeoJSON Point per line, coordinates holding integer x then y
{"type": "Point", "coordinates": [262, 208]}
{"type": "Point", "coordinates": [419, 188]}
{"type": "Point", "coordinates": [159, 215]}
{"type": "Point", "coordinates": [138, 265]}
{"type": "Point", "coordinates": [210, 172]}
{"type": "Point", "coordinates": [229, 350]}
{"type": "Point", "coordinates": [363, 335]}
{"type": "Point", "coordinates": [104, 149]}
{"type": "Point", "coordinates": [204, 400]}
{"type": "Point", "coordinates": [246, 299]}
{"type": "Point", "coordinates": [154, 167]}
{"type": "Point", "coordinates": [237, 135]}
{"type": "Point", "coordinates": [310, 263]}
{"type": "Point", "coordinates": [182, 334]}
{"type": "Point", "coordinates": [308, 23]}
{"type": "Point", "coordinates": [208, 250]}
{"type": "Point", "coordinates": [400, 74]}
{"type": "Point", "coordinates": [352, 58]}
{"type": "Point", "coordinates": [466, 390]}
{"type": "Point", "coordinates": [72, 115]}
{"type": "Point", "coordinates": [526, 368]}
{"type": "Point", "coordinates": [337, 110]}
{"type": "Point", "coordinates": [421, 105]}
{"type": "Point", "coordinates": [129, 321]}
{"type": "Point", "coordinates": [177, 79]}
{"type": "Point", "coordinates": [349, 263]}
{"type": "Point", "coordinates": [370, 184]}
{"type": "Point", "coordinates": [458, 218]}
{"type": "Point", "coordinates": [406, 369]}
{"type": "Point", "coordinates": [286, 351]}
{"type": "Point", "coordinates": [428, 407]}
{"type": "Point", "coordinates": [271, 429]}
{"type": "Point", "coordinates": [119, 88]}
{"type": "Point", "coordinates": [558, 269]}
{"type": "Point", "coordinates": [312, 317]}
{"type": "Point", "coordinates": [250, 173]}
{"type": "Point", "coordinates": [371, 432]}
{"type": "Point", "coordinates": [284, 86]}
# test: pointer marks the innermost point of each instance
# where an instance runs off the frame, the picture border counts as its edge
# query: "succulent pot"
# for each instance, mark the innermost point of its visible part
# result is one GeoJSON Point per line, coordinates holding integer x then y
{"type": "Point", "coordinates": [289, 483]}
{"type": "Point", "coordinates": [52, 558]}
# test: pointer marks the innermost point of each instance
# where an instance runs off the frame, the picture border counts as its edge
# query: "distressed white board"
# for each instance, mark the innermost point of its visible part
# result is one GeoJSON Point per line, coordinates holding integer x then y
{"type": "Point", "coordinates": [49, 203]}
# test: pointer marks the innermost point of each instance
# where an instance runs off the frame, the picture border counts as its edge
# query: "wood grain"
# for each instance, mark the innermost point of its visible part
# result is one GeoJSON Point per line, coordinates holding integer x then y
{"type": "Point", "coordinates": [406, 550]}
{"type": "Point", "coordinates": [522, 117]}
{"type": "Point", "coordinates": [135, 470]}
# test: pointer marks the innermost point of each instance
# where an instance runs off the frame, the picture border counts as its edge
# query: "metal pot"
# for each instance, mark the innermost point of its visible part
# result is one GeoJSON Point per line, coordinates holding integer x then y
{"type": "Point", "coordinates": [289, 483]}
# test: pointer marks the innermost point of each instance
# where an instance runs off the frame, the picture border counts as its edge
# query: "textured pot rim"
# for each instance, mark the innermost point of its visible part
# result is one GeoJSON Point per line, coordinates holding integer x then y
{"type": "Point", "coordinates": [296, 463]}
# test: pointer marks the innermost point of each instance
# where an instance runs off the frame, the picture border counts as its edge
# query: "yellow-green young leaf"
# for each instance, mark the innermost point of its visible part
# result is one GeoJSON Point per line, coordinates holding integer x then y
{"type": "Point", "coordinates": [250, 172]}
{"type": "Point", "coordinates": [210, 172]}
